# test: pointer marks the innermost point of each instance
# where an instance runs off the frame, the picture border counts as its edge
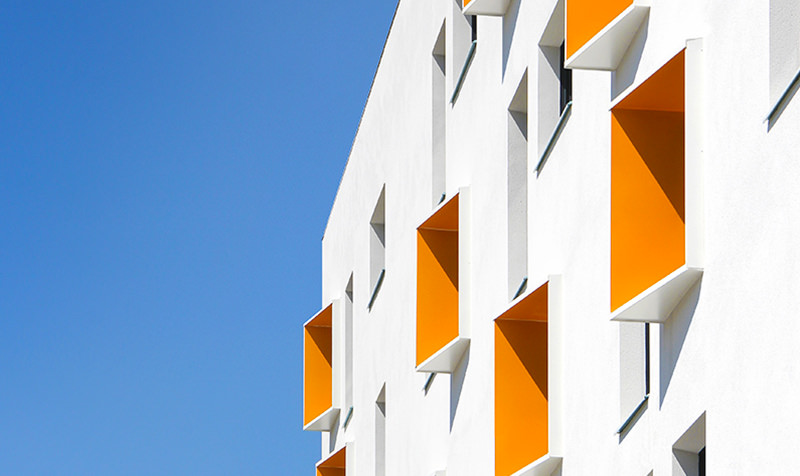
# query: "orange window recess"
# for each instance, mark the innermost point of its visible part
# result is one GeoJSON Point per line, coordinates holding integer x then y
{"type": "Point", "coordinates": [586, 18]}
{"type": "Point", "coordinates": [318, 365]}
{"type": "Point", "coordinates": [521, 380]}
{"type": "Point", "coordinates": [437, 280]}
{"type": "Point", "coordinates": [334, 465]}
{"type": "Point", "coordinates": [648, 217]}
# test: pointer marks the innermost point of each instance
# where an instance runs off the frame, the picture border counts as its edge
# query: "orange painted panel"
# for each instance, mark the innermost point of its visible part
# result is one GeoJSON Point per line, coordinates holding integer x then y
{"type": "Point", "coordinates": [586, 18]}
{"type": "Point", "coordinates": [665, 90]}
{"type": "Point", "coordinates": [466, 2]}
{"type": "Point", "coordinates": [335, 465]}
{"type": "Point", "coordinates": [437, 290]}
{"type": "Point", "coordinates": [648, 230]}
{"type": "Point", "coordinates": [318, 365]}
{"type": "Point", "coordinates": [445, 218]}
{"type": "Point", "coordinates": [521, 418]}
{"type": "Point", "coordinates": [532, 307]}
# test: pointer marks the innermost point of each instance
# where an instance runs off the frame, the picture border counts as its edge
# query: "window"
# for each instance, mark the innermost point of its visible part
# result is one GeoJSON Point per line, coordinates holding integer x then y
{"type": "Point", "coordinates": [348, 350]}
{"type": "Point", "coordinates": [517, 170]}
{"type": "Point", "coordinates": [442, 320]}
{"type": "Point", "coordinates": [554, 86]}
{"type": "Point", "coordinates": [439, 122]}
{"type": "Point", "coordinates": [526, 379]}
{"type": "Point", "coordinates": [319, 412]}
{"type": "Point", "coordinates": [689, 451]}
{"type": "Point", "coordinates": [634, 372]}
{"type": "Point", "coordinates": [377, 247]}
{"type": "Point", "coordinates": [380, 433]}
{"type": "Point", "coordinates": [784, 54]}
{"type": "Point", "coordinates": [656, 190]}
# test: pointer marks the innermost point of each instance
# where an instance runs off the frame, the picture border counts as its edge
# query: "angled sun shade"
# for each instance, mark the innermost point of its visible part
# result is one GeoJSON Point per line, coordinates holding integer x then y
{"type": "Point", "coordinates": [485, 7]}
{"type": "Point", "coordinates": [527, 384]}
{"type": "Point", "coordinates": [441, 336]}
{"type": "Point", "coordinates": [656, 191]}
{"type": "Point", "coordinates": [319, 413]}
{"type": "Point", "coordinates": [600, 32]}
{"type": "Point", "coordinates": [334, 465]}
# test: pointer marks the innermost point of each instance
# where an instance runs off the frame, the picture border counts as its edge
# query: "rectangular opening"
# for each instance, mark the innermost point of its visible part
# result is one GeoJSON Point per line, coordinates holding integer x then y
{"type": "Point", "coordinates": [689, 452]}
{"type": "Point", "coordinates": [554, 84]}
{"type": "Point", "coordinates": [380, 433]}
{"type": "Point", "coordinates": [633, 368]}
{"type": "Point", "coordinates": [377, 247]}
{"type": "Point", "coordinates": [335, 465]}
{"type": "Point", "coordinates": [318, 365]}
{"type": "Point", "coordinates": [648, 222]}
{"type": "Point", "coordinates": [517, 211]}
{"type": "Point", "coordinates": [437, 280]}
{"type": "Point", "coordinates": [521, 383]}
{"type": "Point", "coordinates": [348, 345]}
{"type": "Point", "coordinates": [439, 108]}
{"type": "Point", "coordinates": [586, 18]}
{"type": "Point", "coordinates": [784, 45]}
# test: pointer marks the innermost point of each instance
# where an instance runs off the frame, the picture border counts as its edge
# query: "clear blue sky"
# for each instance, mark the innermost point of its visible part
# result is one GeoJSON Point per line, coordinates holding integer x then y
{"type": "Point", "coordinates": [166, 172]}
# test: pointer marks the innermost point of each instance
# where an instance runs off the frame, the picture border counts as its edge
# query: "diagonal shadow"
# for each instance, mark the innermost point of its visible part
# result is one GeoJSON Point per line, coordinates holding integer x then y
{"type": "Point", "coordinates": [659, 138]}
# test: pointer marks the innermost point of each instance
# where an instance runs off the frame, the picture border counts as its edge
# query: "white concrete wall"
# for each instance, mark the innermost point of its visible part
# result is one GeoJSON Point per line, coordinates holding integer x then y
{"type": "Point", "coordinates": [730, 350]}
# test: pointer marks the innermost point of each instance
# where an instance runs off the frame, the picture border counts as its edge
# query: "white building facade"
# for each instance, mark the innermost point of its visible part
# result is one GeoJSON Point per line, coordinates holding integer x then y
{"type": "Point", "coordinates": [567, 242]}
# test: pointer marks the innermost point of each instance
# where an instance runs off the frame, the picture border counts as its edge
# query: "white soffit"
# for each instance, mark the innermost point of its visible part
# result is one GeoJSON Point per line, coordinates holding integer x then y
{"type": "Point", "coordinates": [324, 422]}
{"type": "Point", "coordinates": [658, 301]}
{"type": "Point", "coordinates": [544, 466]}
{"type": "Point", "coordinates": [446, 359]}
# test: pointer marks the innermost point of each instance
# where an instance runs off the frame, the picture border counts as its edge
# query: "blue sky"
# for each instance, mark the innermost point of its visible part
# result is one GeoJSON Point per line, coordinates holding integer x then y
{"type": "Point", "coordinates": [166, 172]}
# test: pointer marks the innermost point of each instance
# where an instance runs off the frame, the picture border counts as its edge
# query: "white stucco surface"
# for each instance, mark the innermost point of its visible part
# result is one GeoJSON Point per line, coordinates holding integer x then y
{"type": "Point", "coordinates": [729, 350]}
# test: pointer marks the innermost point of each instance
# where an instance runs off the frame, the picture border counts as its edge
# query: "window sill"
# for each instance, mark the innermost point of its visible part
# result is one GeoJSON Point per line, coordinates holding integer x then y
{"type": "Point", "coordinates": [658, 301]}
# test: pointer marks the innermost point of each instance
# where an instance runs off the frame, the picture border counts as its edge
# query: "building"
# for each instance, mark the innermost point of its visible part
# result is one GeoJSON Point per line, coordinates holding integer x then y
{"type": "Point", "coordinates": [566, 242]}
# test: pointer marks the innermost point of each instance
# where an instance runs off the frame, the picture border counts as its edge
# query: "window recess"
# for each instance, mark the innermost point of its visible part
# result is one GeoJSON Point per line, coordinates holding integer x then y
{"type": "Point", "coordinates": [554, 86]}
{"type": "Point", "coordinates": [442, 286]}
{"type": "Point", "coordinates": [657, 221]}
{"type": "Point", "coordinates": [517, 177]}
{"type": "Point", "coordinates": [320, 389]}
{"type": "Point", "coordinates": [599, 33]}
{"type": "Point", "coordinates": [528, 384]}
{"type": "Point", "coordinates": [377, 247]}
{"type": "Point", "coordinates": [689, 451]}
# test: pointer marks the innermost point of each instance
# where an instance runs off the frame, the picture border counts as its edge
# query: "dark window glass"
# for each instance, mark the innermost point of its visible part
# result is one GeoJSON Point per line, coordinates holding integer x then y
{"type": "Point", "coordinates": [565, 77]}
{"type": "Point", "coordinates": [701, 470]}
{"type": "Point", "coordinates": [474, 23]}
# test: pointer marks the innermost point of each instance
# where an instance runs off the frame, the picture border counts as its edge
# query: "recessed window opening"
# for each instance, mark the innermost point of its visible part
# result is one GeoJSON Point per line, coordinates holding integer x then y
{"type": "Point", "coordinates": [348, 355]}
{"type": "Point", "coordinates": [554, 94]}
{"type": "Point", "coordinates": [474, 25]}
{"type": "Point", "coordinates": [784, 54]}
{"type": "Point", "coordinates": [689, 452]}
{"type": "Point", "coordinates": [634, 371]}
{"type": "Point", "coordinates": [517, 211]}
{"type": "Point", "coordinates": [377, 247]}
{"type": "Point", "coordinates": [439, 110]}
{"type": "Point", "coordinates": [565, 80]}
{"type": "Point", "coordinates": [380, 433]}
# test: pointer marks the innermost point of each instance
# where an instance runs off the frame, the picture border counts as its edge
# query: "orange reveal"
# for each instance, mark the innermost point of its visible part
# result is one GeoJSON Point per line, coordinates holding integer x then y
{"type": "Point", "coordinates": [521, 407]}
{"type": "Point", "coordinates": [335, 465]}
{"type": "Point", "coordinates": [586, 18]}
{"type": "Point", "coordinates": [437, 281]}
{"type": "Point", "coordinates": [648, 237]}
{"type": "Point", "coordinates": [318, 365]}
